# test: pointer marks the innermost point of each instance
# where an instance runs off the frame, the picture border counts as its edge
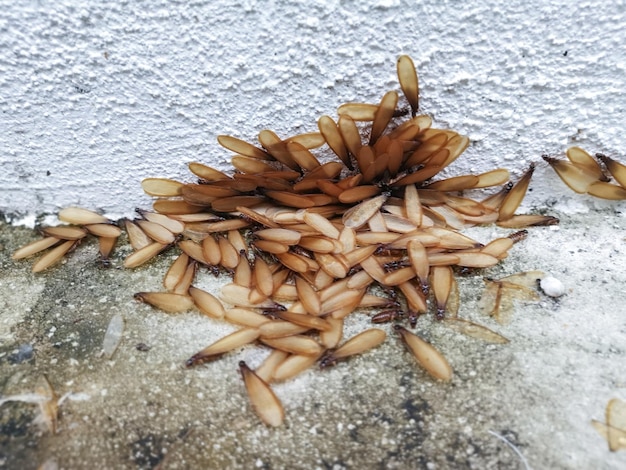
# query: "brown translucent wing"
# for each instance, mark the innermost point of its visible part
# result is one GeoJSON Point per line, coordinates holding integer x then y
{"type": "Point", "coordinates": [514, 197]}
{"type": "Point", "coordinates": [409, 130]}
{"type": "Point", "coordinates": [395, 157]}
{"type": "Point", "coordinates": [528, 220]}
{"type": "Point", "coordinates": [408, 81]}
{"type": "Point", "coordinates": [333, 137]}
{"type": "Point", "coordinates": [383, 115]}
{"type": "Point", "coordinates": [492, 178]}
{"type": "Point", "coordinates": [358, 111]}
{"type": "Point", "coordinates": [35, 247]}
{"type": "Point", "coordinates": [310, 140]}
{"type": "Point", "coordinates": [188, 277]}
{"type": "Point", "coordinates": [607, 191]}
{"type": "Point", "coordinates": [467, 206]}
{"type": "Point", "coordinates": [166, 301]}
{"type": "Point", "coordinates": [350, 134]}
{"type": "Point", "coordinates": [104, 230]}
{"type": "Point", "coordinates": [207, 303]}
{"type": "Point", "coordinates": [176, 272]}
{"type": "Point", "coordinates": [359, 193]}
{"type": "Point", "coordinates": [452, 308]}
{"type": "Point", "coordinates": [456, 183]}
{"type": "Point", "coordinates": [441, 285]}
{"type": "Point", "coordinates": [527, 278]}
{"type": "Point", "coordinates": [302, 156]}
{"type": "Point", "coordinates": [616, 423]}
{"type": "Point", "coordinates": [580, 157]}
{"type": "Point", "coordinates": [268, 138]}
{"type": "Point", "coordinates": [157, 232]}
{"type": "Point", "coordinates": [604, 429]}
{"type": "Point", "coordinates": [230, 204]}
{"type": "Point", "coordinates": [365, 158]}
{"type": "Point", "coordinates": [420, 175]}
{"type": "Point", "coordinates": [576, 176]}
{"type": "Point", "coordinates": [300, 201]}
{"type": "Point", "coordinates": [499, 298]}
{"type": "Point", "coordinates": [161, 187]}
{"type": "Point", "coordinates": [250, 165]}
{"type": "Point", "coordinates": [53, 256]}
{"type": "Point", "coordinates": [175, 207]}
{"type": "Point", "coordinates": [256, 216]}
{"type": "Point", "coordinates": [80, 216]}
{"type": "Point", "coordinates": [173, 225]}
{"type": "Point", "coordinates": [49, 408]}
{"type": "Point", "coordinates": [206, 172]}
{"type": "Point", "coordinates": [456, 145]}
{"type": "Point", "coordinates": [377, 169]}
{"type": "Point", "coordinates": [412, 204]}
{"type": "Point", "coordinates": [328, 170]}
{"type": "Point", "coordinates": [226, 344]}
{"type": "Point", "coordinates": [617, 169]}
{"type": "Point", "coordinates": [294, 365]}
{"type": "Point", "coordinates": [201, 195]}
{"type": "Point", "coordinates": [268, 367]}
{"type": "Point", "coordinates": [358, 215]}
{"type": "Point", "coordinates": [358, 344]}
{"type": "Point", "coordinates": [242, 147]}
{"type": "Point", "coordinates": [143, 255]}
{"type": "Point", "coordinates": [426, 354]}
{"type": "Point", "coordinates": [489, 303]}
{"type": "Point", "coordinates": [427, 148]}
{"type": "Point", "coordinates": [474, 330]}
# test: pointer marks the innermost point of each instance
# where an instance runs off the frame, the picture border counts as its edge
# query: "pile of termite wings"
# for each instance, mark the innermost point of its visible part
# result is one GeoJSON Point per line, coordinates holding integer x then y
{"type": "Point", "coordinates": [308, 243]}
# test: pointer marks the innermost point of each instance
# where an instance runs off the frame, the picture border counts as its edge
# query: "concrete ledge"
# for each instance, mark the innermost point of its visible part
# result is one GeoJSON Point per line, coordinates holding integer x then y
{"type": "Point", "coordinates": [564, 362]}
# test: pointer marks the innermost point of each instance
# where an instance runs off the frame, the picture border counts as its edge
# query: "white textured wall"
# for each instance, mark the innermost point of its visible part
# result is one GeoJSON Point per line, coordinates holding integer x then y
{"type": "Point", "coordinates": [95, 96]}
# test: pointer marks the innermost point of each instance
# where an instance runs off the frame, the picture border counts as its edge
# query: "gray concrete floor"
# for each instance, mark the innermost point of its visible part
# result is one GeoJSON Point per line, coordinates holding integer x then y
{"type": "Point", "coordinates": [142, 408]}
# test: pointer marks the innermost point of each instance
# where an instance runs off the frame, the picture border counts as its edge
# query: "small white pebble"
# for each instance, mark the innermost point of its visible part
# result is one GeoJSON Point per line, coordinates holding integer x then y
{"type": "Point", "coordinates": [552, 286]}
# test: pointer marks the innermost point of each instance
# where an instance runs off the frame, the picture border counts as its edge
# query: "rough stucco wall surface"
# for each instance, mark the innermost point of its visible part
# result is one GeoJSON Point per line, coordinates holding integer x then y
{"type": "Point", "coordinates": [96, 97]}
